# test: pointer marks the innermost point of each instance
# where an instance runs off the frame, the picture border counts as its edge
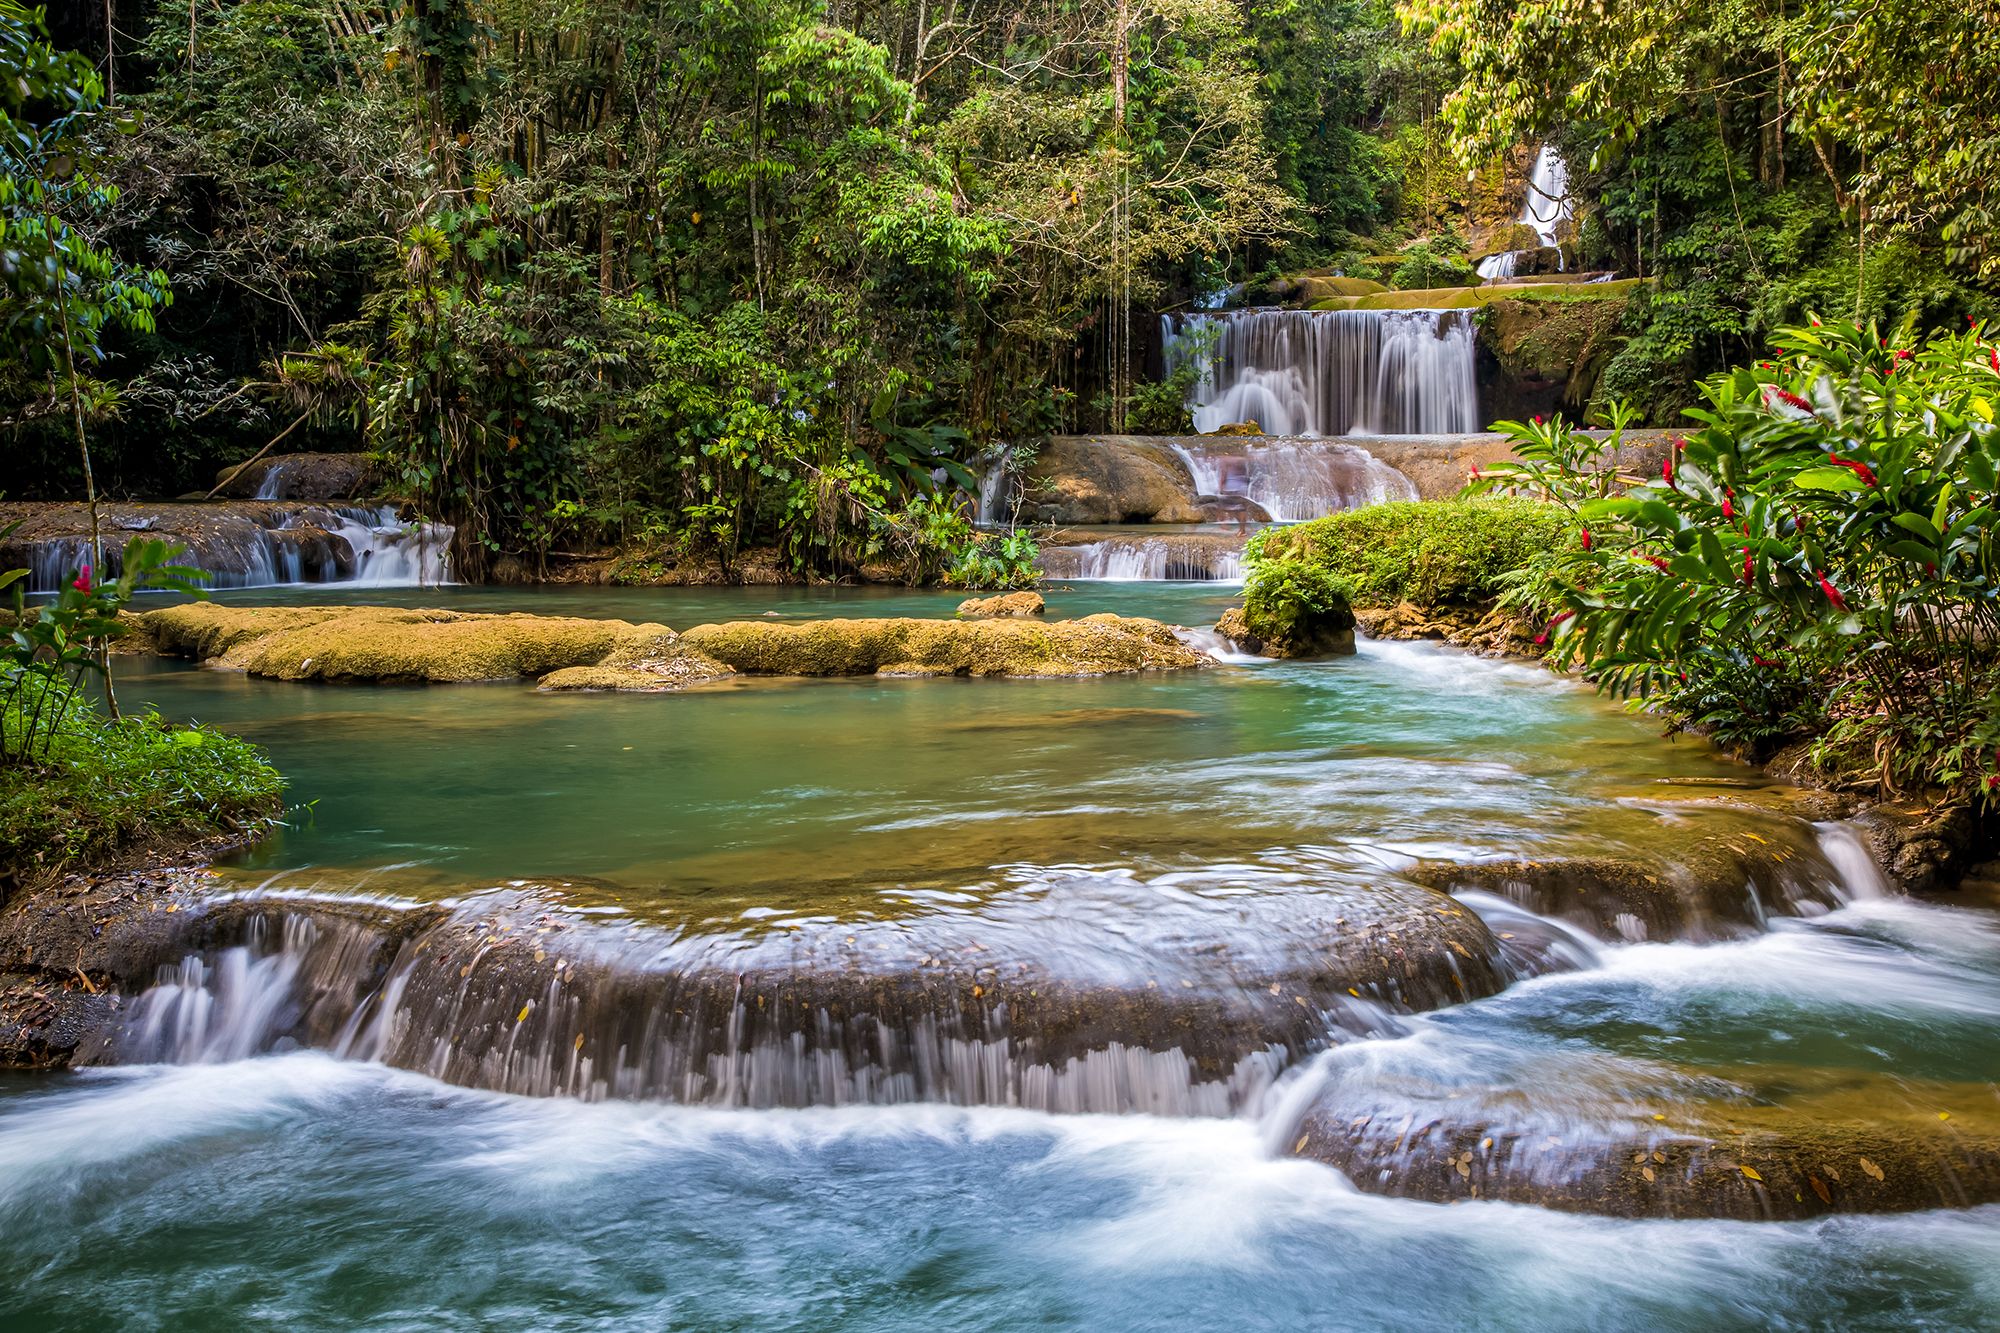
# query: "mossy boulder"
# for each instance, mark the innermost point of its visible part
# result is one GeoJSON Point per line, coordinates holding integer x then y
{"type": "Point", "coordinates": [1004, 605]}
{"type": "Point", "coordinates": [1539, 355]}
{"type": "Point", "coordinates": [370, 643]}
{"type": "Point", "coordinates": [1291, 608]}
{"type": "Point", "coordinates": [1093, 646]}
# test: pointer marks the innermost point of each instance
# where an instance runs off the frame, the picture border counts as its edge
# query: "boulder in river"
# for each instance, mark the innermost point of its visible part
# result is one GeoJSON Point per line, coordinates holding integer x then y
{"type": "Point", "coordinates": [309, 476]}
{"type": "Point", "coordinates": [1004, 605]}
{"type": "Point", "coordinates": [1110, 479]}
{"type": "Point", "coordinates": [1875, 1146]}
{"type": "Point", "coordinates": [1097, 645]}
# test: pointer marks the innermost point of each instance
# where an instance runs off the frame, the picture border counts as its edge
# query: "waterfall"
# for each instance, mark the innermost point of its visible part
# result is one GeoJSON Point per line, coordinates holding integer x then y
{"type": "Point", "coordinates": [1335, 372]}
{"type": "Point", "coordinates": [1135, 559]}
{"type": "Point", "coordinates": [257, 547]}
{"type": "Point", "coordinates": [1294, 480]}
{"type": "Point", "coordinates": [1545, 207]}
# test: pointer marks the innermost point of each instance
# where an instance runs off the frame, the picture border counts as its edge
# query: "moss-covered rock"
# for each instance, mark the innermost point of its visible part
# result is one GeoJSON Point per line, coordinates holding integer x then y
{"type": "Point", "coordinates": [1541, 355]}
{"type": "Point", "coordinates": [371, 643]}
{"type": "Point", "coordinates": [1093, 646]}
{"type": "Point", "coordinates": [1004, 605]}
{"type": "Point", "coordinates": [1291, 608]}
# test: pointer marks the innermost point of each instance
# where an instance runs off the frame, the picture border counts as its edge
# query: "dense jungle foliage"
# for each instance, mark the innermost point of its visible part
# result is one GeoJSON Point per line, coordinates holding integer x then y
{"type": "Point", "coordinates": [698, 276]}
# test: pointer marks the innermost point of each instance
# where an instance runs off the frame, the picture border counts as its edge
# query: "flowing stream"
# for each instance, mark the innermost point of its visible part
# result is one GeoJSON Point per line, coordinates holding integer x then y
{"type": "Point", "coordinates": [321, 1127]}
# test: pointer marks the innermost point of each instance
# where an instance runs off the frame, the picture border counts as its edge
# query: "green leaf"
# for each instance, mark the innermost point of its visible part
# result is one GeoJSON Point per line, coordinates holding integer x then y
{"type": "Point", "coordinates": [1828, 479]}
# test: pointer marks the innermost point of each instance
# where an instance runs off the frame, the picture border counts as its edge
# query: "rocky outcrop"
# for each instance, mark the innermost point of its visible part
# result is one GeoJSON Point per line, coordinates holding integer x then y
{"type": "Point", "coordinates": [1544, 355]}
{"type": "Point", "coordinates": [236, 542]}
{"type": "Point", "coordinates": [313, 477]}
{"type": "Point", "coordinates": [1002, 606]}
{"type": "Point", "coordinates": [1109, 479]}
{"type": "Point", "coordinates": [1326, 635]}
{"type": "Point", "coordinates": [1093, 646]}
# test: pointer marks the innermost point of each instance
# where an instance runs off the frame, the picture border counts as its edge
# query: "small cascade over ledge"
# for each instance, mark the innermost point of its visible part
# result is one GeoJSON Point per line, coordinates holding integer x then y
{"type": "Point", "coordinates": [1332, 372]}
{"type": "Point", "coordinates": [1293, 479]}
{"type": "Point", "coordinates": [240, 544]}
{"type": "Point", "coordinates": [1546, 207]}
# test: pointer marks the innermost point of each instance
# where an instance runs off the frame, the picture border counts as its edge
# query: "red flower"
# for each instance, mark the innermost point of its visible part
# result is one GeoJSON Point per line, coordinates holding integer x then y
{"type": "Point", "coordinates": [1763, 661]}
{"type": "Point", "coordinates": [1904, 354]}
{"type": "Point", "coordinates": [1660, 564]}
{"type": "Point", "coordinates": [1728, 508]}
{"type": "Point", "coordinates": [1475, 472]}
{"type": "Point", "coordinates": [82, 583]}
{"type": "Point", "coordinates": [1788, 398]}
{"type": "Point", "coordinates": [1994, 357]}
{"type": "Point", "coordinates": [1749, 567]}
{"type": "Point", "coordinates": [1586, 539]}
{"type": "Point", "coordinates": [1667, 469]}
{"type": "Point", "coordinates": [1832, 593]}
{"type": "Point", "coordinates": [1538, 419]}
{"type": "Point", "coordinates": [1541, 640]}
{"type": "Point", "coordinates": [1992, 781]}
{"type": "Point", "coordinates": [1861, 470]}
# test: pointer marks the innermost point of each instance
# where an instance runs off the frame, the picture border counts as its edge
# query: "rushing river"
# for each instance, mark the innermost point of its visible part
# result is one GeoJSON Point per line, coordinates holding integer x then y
{"type": "Point", "coordinates": [1155, 821]}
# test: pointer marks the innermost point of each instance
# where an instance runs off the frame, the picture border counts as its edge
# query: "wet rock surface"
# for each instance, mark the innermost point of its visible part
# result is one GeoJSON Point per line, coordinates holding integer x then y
{"type": "Point", "coordinates": [1324, 637]}
{"type": "Point", "coordinates": [1023, 1002]}
{"type": "Point", "coordinates": [1109, 479]}
{"type": "Point", "coordinates": [1868, 1147]}
{"type": "Point", "coordinates": [1709, 885]}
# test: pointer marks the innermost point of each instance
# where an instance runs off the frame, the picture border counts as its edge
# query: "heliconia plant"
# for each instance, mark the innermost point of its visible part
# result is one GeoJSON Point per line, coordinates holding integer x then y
{"type": "Point", "coordinates": [1828, 520]}
{"type": "Point", "coordinates": [51, 648]}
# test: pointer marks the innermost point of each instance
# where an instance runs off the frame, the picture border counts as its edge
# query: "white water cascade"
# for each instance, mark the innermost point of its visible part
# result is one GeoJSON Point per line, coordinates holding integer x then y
{"type": "Point", "coordinates": [1333, 372]}
{"type": "Point", "coordinates": [1292, 479]}
{"type": "Point", "coordinates": [1546, 207]}
{"type": "Point", "coordinates": [359, 545]}
{"type": "Point", "coordinates": [1143, 559]}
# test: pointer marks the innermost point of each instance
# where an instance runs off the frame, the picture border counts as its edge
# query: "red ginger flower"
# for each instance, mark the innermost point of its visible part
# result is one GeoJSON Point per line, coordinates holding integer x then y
{"type": "Point", "coordinates": [1832, 593]}
{"type": "Point", "coordinates": [1542, 639]}
{"type": "Point", "coordinates": [82, 582]}
{"type": "Point", "coordinates": [1586, 539]}
{"type": "Point", "coordinates": [1749, 567]}
{"type": "Point", "coordinates": [1660, 564]}
{"type": "Point", "coordinates": [1728, 507]}
{"type": "Point", "coordinates": [1788, 398]}
{"type": "Point", "coordinates": [1861, 470]}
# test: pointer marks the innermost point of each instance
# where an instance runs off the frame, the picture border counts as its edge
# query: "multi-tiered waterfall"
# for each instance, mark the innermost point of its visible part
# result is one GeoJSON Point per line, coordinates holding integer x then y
{"type": "Point", "coordinates": [1334, 372]}
{"type": "Point", "coordinates": [1546, 207]}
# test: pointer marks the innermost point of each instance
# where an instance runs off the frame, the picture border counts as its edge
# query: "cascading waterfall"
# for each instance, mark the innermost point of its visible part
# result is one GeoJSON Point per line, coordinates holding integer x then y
{"type": "Point", "coordinates": [365, 546]}
{"type": "Point", "coordinates": [1294, 480]}
{"type": "Point", "coordinates": [1546, 207]}
{"type": "Point", "coordinates": [1137, 559]}
{"type": "Point", "coordinates": [513, 998]}
{"type": "Point", "coordinates": [1335, 372]}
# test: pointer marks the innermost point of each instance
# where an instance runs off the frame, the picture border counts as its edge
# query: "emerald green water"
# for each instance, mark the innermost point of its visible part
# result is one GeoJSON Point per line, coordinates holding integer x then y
{"type": "Point", "coordinates": [296, 1190]}
{"type": "Point", "coordinates": [786, 793]}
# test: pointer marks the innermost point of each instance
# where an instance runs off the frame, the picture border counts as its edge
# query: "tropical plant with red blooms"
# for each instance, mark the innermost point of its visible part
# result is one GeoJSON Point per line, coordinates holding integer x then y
{"type": "Point", "coordinates": [51, 649]}
{"type": "Point", "coordinates": [1827, 515]}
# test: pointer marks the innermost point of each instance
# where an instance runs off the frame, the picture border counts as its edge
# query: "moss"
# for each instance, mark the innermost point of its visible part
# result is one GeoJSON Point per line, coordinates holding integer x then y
{"type": "Point", "coordinates": [1426, 552]}
{"type": "Point", "coordinates": [107, 788]}
{"type": "Point", "coordinates": [384, 643]}
{"type": "Point", "coordinates": [1092, 646]}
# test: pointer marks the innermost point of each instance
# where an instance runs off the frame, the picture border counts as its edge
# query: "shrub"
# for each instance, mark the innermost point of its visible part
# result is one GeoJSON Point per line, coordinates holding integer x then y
{"type": "Point", "coordinates": [1293, 601]}
{"type": "Point", "coordinates": [1429, 552]}
{"type": "Point", "coordinates": [1831, 523]}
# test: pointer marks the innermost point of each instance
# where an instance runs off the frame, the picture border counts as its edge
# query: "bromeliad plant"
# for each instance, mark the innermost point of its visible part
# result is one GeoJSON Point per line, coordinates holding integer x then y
{"type": "Point", "coordinates": [53, 648]}
{"type": "Point", "coordinates": [1830, 523]}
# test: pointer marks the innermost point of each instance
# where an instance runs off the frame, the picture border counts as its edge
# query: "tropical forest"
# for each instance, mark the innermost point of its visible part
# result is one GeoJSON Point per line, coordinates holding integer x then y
{"type": "Point", "coordinates": [935, 664]}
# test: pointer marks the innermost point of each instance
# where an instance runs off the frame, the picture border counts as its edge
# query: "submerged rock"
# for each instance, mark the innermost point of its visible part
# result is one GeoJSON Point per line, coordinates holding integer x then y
{"type": "Point", "coordinates": [1093, 646]}
{"type": "Point", "coordinates": [1005, 604]}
